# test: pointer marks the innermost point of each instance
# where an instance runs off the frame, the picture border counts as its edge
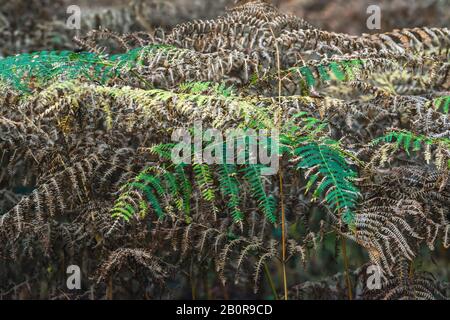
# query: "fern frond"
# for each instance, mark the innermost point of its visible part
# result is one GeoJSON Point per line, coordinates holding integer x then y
{"type": "Point", "coordinates": [407, 141]}
{"type": "Point", "coordinates": [229, 185]}
{"type": "Point", "coordinates": [27, 70]}
{"type": "Point", "coordinates": [205, 181]}
{"type": "Point", "coordinates": [267, 203]}
{"type": "Point", "coordinates": [339, 70]}
{"type": "Point", "coordinates": [442, 103]}
{"type": "Point", "coordinates": [332, 177]}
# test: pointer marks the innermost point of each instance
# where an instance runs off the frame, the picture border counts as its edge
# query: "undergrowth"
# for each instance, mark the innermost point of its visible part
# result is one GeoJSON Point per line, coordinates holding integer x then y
{"type": "Point", "coordinates": [363, 149]}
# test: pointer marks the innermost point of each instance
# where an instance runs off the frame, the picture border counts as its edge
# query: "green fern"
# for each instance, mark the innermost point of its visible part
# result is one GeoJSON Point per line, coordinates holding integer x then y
{"type": "Point", "coordinates": [199, 87]}
{"type": "Point", "coordinates": [325, 164]}
{"type": "Point", "coordinates": [185, 189]}
{"type": "Point", "coordinates": [267, 203]}
{"type": "Point", "coordinates": [194, 87]}
{"type": "Point", "coordinates": [403, 139]}
{"type": "Point", "coordinates": [28, 70]}
{"type": "Point", "coordinates": [442, 103]}
{"type": "Point", "coordinates": [157, 188]}
{"type": "Point", "coordinates": [408, 141]}
{"type": "Point", "coordinates": [304, 138]}
{"type": "Point", "coordinates": [163, 150]}
{"type": "Point", "coordinates": [338, 70]}
{"type": "Point", "coordinates": [151, 197]}
{"type": "Point", "coordinates": [125, 210]}
{"type": "Point", "coordinates": [328, 171]}
{"type": "Point", "coordinates": [205, 181]}
{"type": "Point", "coordinates": [229, 185]}
{"type": "Point", "coordinates": [172, 187]}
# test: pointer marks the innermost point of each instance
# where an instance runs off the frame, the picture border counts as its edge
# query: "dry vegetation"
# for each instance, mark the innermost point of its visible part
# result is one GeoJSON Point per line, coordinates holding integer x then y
{"type": "Point", "coordinates": [364, 157]}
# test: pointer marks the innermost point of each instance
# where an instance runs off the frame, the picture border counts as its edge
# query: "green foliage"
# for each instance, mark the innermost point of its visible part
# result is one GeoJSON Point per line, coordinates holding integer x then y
{"type": "Point", "coordinates": [230, 188]}
{"type": "Point", "coordinates": [205, 181]}
{"type": "Point", "coordinates": [157, 189]}
{"type": "Point", "coordinates": [408, 141]}
{"type": "Point", "coordinates": [185, 189]}
{"type": "Point", "coordinates": [266, 203]}
{"type": "Point", "coordinates": [81, 139]}
{"type": "Point", "coordinates": [327, 170]}
{"type": "Point", "coordinates": [29, 70]}
{"type": "Point", "coordinates": [163, 150]}
{"type": "Point", "coordinates": [337, 70]}
{"type": "Point", "coordinates": [324, 163]}
{"type": "Point", "coordinates": [204, 87]}
{"type": "Point", "coordinates": [179, 187]}
{"type": "Point", "coordinates": [442, 103]}
{"type": "Point", "coordinates": [304, 138]}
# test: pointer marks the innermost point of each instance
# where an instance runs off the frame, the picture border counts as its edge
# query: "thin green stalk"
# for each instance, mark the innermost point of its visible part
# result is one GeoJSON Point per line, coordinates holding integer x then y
{"type": "Point", "coordinates": [269, 278]}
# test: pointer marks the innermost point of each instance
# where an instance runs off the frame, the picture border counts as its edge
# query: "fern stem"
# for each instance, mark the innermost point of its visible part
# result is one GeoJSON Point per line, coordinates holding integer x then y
{"type": "Point", "coordinates": [109, 289]}
{"type": "Point", "coordinates": [206, 286]}
{"type": "Point", "coordinates": [347, 273]}
{"type": "Point", "coordinates": [280, 174]}
{"type": "Point", "coordinates": [193, 282]}
{"type": "Point", "coordinates": [193, 289]}
{"type": "Point", "coordinates": [148, 85]}
{"type": "Point", "coordinates": [269, 278]}
{"type": "Point", "coordinates": [283, 235]}
{"type": "Point", "coordinates": [226, 296]}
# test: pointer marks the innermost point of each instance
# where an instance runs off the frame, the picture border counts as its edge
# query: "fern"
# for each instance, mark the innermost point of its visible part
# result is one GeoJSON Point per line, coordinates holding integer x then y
{"type": "Point", "coordinates": [267, 203]}
{"type": "Point", "coordinates": [199, 87]}
{"type": "Point", "coordinates": [327, 170]}
{"type": "Point", "coordinates": [156, 187]}
{"type": "Point", "coordinates": [179, 187]}
{"type": "Point", "coordinates": [185, 189]}
{"type": "Point", "coordinates": [83, 132]}
{"type": "Point", "coordinates": [322, 159]}
{"type": "Point", "coordinates": [229, 185]}
{"type": "Point", "coordinates": [28, 70]}
{"type": "Point", "coordinates": [338, 70]}
{"type": "Point", "coordinates": [442, 103]}
{"type": "Point", "coordinates": [408, 141]}
{"type": "Point", "coordinates": [163, 150]}
{"type": "Point", "coordinates": [324, 163]}
{"type": "Point", "coordinates": [205, 181]}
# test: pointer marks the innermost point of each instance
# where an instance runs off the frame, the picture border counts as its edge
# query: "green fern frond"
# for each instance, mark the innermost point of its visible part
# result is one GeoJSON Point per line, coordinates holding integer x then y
{"type": "Point", "coordinates": [163, 150]}
{"type": "Point", "coordinates": [325, 164]}
{"type": "Point", "coordinates": [229, 185]}
{"type": "Point", "coordinates": [151, 197]}
{"type": "Point", "coordinates": [154, 186]}
{"type": "Point", "coordinates": [151, 181]}
{"type": "Point", "coordinates": [442, 103]}
{"type": "Point", "coordinates": [205, 181]}
{"type": "Point", "coordinates": [300, 129]}
{"type": "Point", "coordinates": [408, 141]}
{"type": "Point", "coordinates": [332, 177]}
{"type": "Point", "coordinates": [123, 209]}
{"type": "Point", "coordinates": [171, 183]}
{"type": "Point", "coordinates": [223, 90]}
{"type": "Point", "coordinates": [28, 70]}
{"type": "Point", "coordinates": [267, 204]}
{"type": "Point", "coordinates": [339, 70]}
{"type": "Point", "coordinates": [185, 189]}
{"type": "Point", "coordinates": [302, 138]}
{"type": "Point", "coordinates": [403, 139]}
{"type": "Point", "coordinates": [194, 87]}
